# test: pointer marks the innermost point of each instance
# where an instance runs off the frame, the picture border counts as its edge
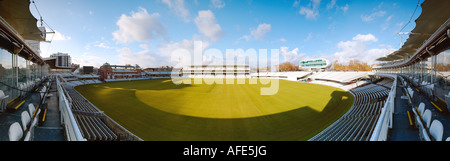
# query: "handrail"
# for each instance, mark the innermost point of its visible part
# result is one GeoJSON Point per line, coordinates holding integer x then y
{"type": "Point", "coordinates": [385, 120]}
{"type": "Point", "coordinates": [73, 132]}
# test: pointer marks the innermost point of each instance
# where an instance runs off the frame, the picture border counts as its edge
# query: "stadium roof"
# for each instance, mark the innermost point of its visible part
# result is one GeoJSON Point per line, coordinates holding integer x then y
{"type": "Point", "coordinates": [434, 14]}
{"type": "Point", "coordinates": [17, 14]}
{"type": "Point", "coordinates": [17, 25]}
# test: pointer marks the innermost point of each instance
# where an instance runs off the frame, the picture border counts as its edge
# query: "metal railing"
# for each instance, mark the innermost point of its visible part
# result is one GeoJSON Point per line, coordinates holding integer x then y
{"type": "Point", "coordinates": [385, 120]}
{"type": "Point", "coordinates": [71, 127]}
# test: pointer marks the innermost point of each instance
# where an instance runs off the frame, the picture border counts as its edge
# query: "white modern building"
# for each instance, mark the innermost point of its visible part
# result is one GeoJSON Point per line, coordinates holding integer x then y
{"type": "Point", "coordinates": [217, 71]}
{"type": "Point", "coordinates": [62, 59]}
{"type": "Point", "coordinates": [319, 63]}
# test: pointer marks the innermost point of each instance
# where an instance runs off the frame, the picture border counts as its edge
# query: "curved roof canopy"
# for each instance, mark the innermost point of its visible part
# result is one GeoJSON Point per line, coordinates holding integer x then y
{"type": "Point", "coordinates": [434, 14]}
{"type": "Point", "coordinates": [17, 14]}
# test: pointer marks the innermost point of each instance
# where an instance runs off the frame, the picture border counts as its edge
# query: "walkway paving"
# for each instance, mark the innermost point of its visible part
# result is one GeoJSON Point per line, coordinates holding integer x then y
{"type": "Point", "coordinates": [402, 129]}
{"type": "Point", "coordinates": [51, 129]}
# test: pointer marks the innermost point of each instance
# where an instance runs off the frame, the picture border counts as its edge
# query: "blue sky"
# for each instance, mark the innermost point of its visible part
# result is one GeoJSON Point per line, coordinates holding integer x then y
{"type": "Point", "coordinates": [146, 32]}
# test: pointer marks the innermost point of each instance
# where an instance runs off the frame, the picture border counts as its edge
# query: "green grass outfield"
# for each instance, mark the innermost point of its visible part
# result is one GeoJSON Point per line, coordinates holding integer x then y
{"type": "Point", "coordinates": [157, 109]}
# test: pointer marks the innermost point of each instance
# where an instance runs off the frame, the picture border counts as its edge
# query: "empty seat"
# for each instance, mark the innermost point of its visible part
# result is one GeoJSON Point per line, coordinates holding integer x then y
{"type": "Point", "coordinates": [3, 102]}
{"type": "Point", "coordinates": [25, 120]}
{"type": "Point", "coordinates": [427, 118]}
{"type": "Point", "coordinates": [31, 109]}
{"type": "Point", "coordinates": [15, 132]}
{"type": "Point", "coordinates": [421, 108]}
{"type": "Point", "coordinates": [437, 130]}
{"type": "Point", "coordinates": [424, 135]}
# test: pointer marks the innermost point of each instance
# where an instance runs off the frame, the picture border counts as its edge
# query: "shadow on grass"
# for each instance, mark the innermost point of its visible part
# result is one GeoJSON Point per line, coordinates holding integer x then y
{"type": "Point", "coordinates": [152, 124]}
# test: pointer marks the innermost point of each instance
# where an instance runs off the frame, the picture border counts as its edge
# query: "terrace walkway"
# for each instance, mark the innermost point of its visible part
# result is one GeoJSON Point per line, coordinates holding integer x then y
{"type": "Point", "coordinates": [402, 129]}
{"type": "Point", "coordinates": [51, 129]}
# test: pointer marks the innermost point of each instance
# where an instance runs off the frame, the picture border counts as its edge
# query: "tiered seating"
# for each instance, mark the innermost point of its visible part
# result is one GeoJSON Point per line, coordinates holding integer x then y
{"type": "Point", "coordinates": [427, 116]}
{"type": "Point", "coordinates": [339, 76]}
{"type": "Point", "coordinates": [358, 123]}
{"type": "Point", "coordinates": [79, 103]}
{"type": "Point", "coordinates": [29, 120]}
{"type": "Point", "coordinates": [386, 82]}
{"type": "Point", "coordinates": [426, 88]}
{"type": "Point", "coordinates": [89, 118]}
{"type": "Point", "coordinates": [428, 130]}
{"type": "Point", "coordinates": [293, 76]}
{"type": "Point", "coordinates": [94, 129]}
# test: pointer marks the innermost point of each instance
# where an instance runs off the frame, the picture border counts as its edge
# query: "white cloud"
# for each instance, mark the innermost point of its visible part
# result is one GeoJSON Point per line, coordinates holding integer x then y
{"type": "Point", "coordinates": [331, 4]}
{"type": "Point", "coordinates": [386, 23]}
{"type": "Point", "coordinates": [260, 32]}
{"type": "Point", "coordinates": [365, 38]}
{"type": "Point", "coordinates": [357, 49]}
{"type": "Point", "coordinates": [172, 54]}
{"type": "Point", "coordinates": [88, 60]}
{"type": "Point", "coordinates": [291, 56]}
{"type": "Point", "coordinates": [59, 36]}
{"type": "Point", "coordinates": [182, 53]}
{"type": "Point", "coordinates": [206, 24]}
{"type": "Point", "coordinates": [389, 18]}
{"type": "Point", "coordinates": [179, 8]}
{"type": "Point", "coordinates": [309, 37]}
{"type": "Point", "coordinates": [296, 3]}
{"type": "Point", "coordinates": [344, 8]}
{"type": "Point", "coordinates": [142, 58]}
{"type": "Point", "coordinates": [310, 13]}
{"type": "Point", "coordinates": [312, 10]}
{"type": "Point", "coordinates": [245, 37]}
{"type": "Point", "coordinates": [371, 17]}
{"type": "Point", "coordinates": [140, 26]}
{"type": "Point", "coordinates": [282, 40]}
{"type": "Point", "coordinates": [218, 3]}
{"type": "Point", "coordinates": [103, 45]}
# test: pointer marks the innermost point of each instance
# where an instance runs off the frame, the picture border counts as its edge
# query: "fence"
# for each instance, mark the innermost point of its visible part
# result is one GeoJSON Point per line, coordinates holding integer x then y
{"type": "Point", "coordinates": [385, 120]}
{"type": "Point", "coordinates": [71, 127]}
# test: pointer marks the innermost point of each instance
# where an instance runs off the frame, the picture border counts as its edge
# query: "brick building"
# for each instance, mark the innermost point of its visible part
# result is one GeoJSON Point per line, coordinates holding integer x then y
{"type": "Point", "coordinates": [107, 71]}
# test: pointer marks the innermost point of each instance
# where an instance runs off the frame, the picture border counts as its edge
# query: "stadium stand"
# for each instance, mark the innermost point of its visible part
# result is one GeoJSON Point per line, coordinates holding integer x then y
{"type": "Point", "coordinates": [293, 76]}
{"type": "Point", "coordinates": [89, 118]}
{"type": "Point", "coordinates": [93, 123]}
{"type": "Point", "coordinates": [341, 77]}
{"type": "Point", "coordinates": [20, 116]}
{"type": "Point", "coordinates": [411, 72]}
{"type": "Point", "coordinates": [359, 122]}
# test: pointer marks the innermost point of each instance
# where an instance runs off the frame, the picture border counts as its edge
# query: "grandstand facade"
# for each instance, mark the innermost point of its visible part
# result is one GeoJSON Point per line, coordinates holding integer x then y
{"type": "Point", "coordinates": [22, 70]}
{"type": "Point", "coordinates": [107, 71]}
{"type": "Point", "coordinates": [421, 65]}
{"type": "Point", "coordinates": [217, 71]}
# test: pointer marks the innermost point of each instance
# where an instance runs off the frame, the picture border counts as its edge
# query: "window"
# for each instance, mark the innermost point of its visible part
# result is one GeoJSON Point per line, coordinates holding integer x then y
{"type": "Point", "coordinates": [6, 74]}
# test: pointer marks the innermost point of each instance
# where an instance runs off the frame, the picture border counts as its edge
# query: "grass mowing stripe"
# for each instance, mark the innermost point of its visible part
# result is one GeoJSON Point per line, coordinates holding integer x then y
{"type": "Point", "coordinates": [318, 107]}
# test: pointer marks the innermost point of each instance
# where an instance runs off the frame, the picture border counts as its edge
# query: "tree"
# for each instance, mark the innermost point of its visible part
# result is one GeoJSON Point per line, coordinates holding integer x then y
{"type": "Point", "coordinates": [287, 66]}
{"type": "Point", "coordinates": [353, 65]}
